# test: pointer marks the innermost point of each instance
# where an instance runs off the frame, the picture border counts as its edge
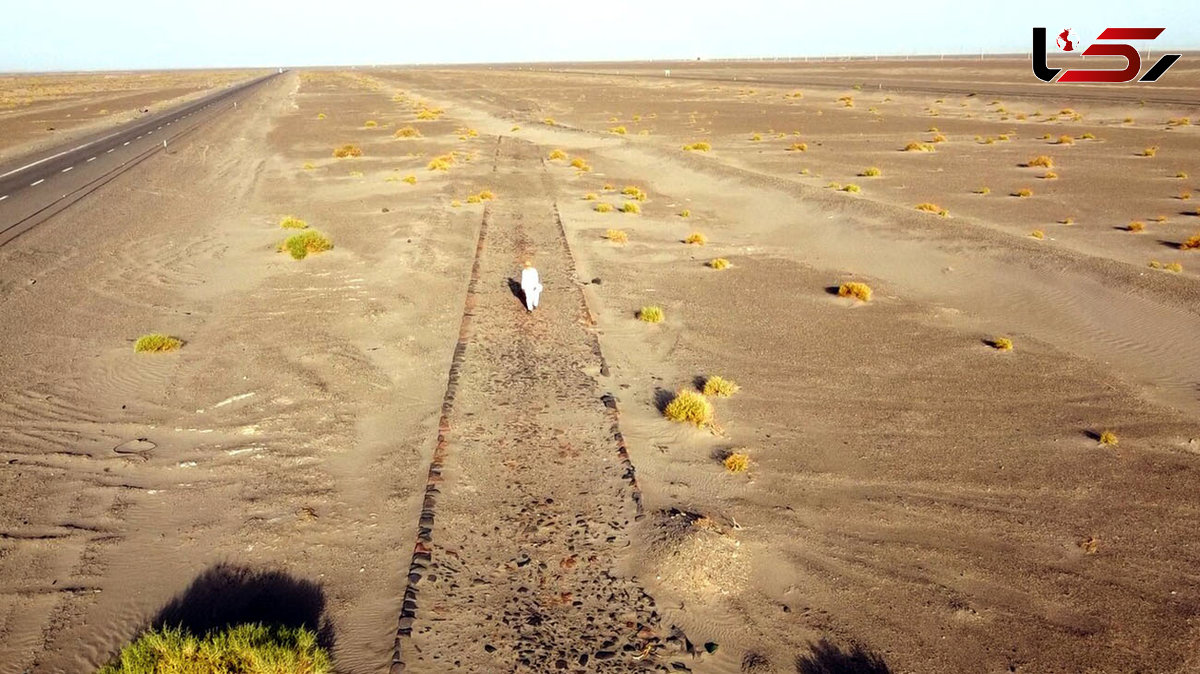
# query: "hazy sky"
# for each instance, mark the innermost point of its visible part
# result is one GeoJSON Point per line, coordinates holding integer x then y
{"type": "Point", "coordinates": [128, 34]}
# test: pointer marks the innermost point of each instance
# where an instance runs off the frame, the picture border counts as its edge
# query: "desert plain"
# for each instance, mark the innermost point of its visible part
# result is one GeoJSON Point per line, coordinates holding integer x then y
{"type": "Point", "coordinates": [990, 465]}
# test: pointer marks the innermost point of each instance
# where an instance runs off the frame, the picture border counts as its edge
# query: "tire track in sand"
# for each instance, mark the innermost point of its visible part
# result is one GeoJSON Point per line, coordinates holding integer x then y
{"type": "Point", "coordinates": [530, 481]}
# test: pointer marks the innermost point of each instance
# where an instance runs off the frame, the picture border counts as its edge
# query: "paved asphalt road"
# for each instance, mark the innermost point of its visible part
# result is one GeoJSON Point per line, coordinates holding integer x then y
{"type": "Point", "coordinates": [33, 188]}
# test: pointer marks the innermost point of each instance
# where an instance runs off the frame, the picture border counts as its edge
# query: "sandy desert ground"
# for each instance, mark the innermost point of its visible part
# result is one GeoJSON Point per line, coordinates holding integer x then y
{"type": "Point", "coordinates": [41, 110]}
{"type": "Point", "coordinates": [378, 441]}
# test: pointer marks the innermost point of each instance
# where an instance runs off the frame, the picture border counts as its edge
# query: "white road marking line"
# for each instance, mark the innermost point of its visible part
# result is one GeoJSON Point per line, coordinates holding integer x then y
{"type": "Point", "coordinates": [91, 159]}
{"type": "Point", "coordinates": [55, 156]}
{"type": "Point", "coordinates": [66, 169]}
{"type": "Point", "coordinates": [39, 182]}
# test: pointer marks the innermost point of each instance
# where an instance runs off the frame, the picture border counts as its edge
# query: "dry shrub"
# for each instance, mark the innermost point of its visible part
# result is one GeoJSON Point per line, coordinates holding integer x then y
{"type": "Point", "coordinates": [308, 241]}
{"type": "Point", "coordinates": [1050, 175]}
{"type": "Point", "coordinates": [1038, 234]}
{"type": "Point", "coordinates": [685, 213]}
{"type": "Point", "coordinates": [737, 462]}
{"type": "Point", "coordinates": [720, 387]}
{"type": "Point", "coordinates": [1043, 161]}
{"type": "Point", "coordinates": [1002, 344]}
{"type": "Point", "coordinates": [1150, 151]}
{"type": "Point", "coordinates": [619, 130]}
{"type": "Point", "coordinates": [441, 163]}
{"type": "Point", "coordinates": [487, 195]}
{"type": "Point", "coordinates": [696, 238]}
{"type": "Point", "coordinates": [1136, 226]}
{"type": "Point", "coordinates": [984, 190]}
{"type": "Point", "coordinates": [407, 132]}
{"type": "Point", "coordinates": [651, 314]}
{"type": "Point", "coordinates": [580, 164]}
{"type": "Point", "coordinates": [851, 187]}
{"type": "Point", "coordinates": [474, 199]}
{"type": "Point", "coordinates": [798, 147]}
{"type": "Point", "coordinates": [871, 172]}
{"type": "Point", "coordinates": [755, 137]}
{"type": "Point", "coordinates": [939, 138]}
{"type": "Point", "coordinates": [1179, 121]}
{"type": "Point", "coordinates": [292, 222]}
{"type": "Point", "coordinates": [857, 290]}
{"type": "Point", "coordinates": [631, 207]}
{"type": "Point", "coordinates": [603, 207]}
{"type": "Point", "coordinates": [1108, 438]}
{"type": "Point", "coordinates": [690, 407]}
{"type": "Point", "coordinates": [590, 196]}
{"type": "Point", "coordinates": [1065, 140]}
{"type": "Point", "coordinates": [549, 121]}
{"type": "Point", "coordinates": [370, 124]}
{"type": "Point", "coordinates": [1087, 135]}
{"type": "Point", "coordinates": [410, 179]}
{"type": "Point", "coordinates": [634, 192]}
{"type": "Point", "coordinates": [1192, 243]}
{"type": "Point", "coordinates": [698, 146]}
{"type": "Point", "coordinates": [718, 263]}
{"type": "Point", "coordinates": [617, 236]}
{"type": "Point", "coordinates": [320, 115]}
{"type": "Point", "coordinates": [919, 147]}
{"type": "Point", "coordinates": [556, 155]}
{"type": "Point", "coordinates": [347, 151]}
{"type": "Point", "coordinates": [929, 207]}
{"type": "Point", "coordinates": [308, 166]}
{"type": "Point", "coordinates": [1181, 175]}
{"type": "Point", "coordinates": [156, 342]}
{"type": "Point", "coordinates": [1023, 193]}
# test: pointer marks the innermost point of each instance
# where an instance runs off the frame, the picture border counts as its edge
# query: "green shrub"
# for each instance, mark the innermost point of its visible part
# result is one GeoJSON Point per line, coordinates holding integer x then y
{"type": "Point", "coordinates": [243, 649]}
{"type": "Point", "coordinates": [309, 241]}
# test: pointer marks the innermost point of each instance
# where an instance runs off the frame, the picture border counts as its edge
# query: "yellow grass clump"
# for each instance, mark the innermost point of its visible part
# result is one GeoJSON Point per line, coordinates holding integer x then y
{"type": "Point", "coordinates": [407, 132]}
{"type": "Point", "coordinates": [308, 241]}
{"type": "Point", "coordinates": [1023, 193]}
{"type": "Point", "coordinates": [698, 146]}
{"type": "Point", "coordinates": [1038, 234]}
{"type": "Point", "coordinates": [718, 263]}
{"type": "Point", "coordinates": [1181, 175]}
{"type": "Point", "coordinates": [1192, 243]}
{"type": "Point", "coordinates": [308, 166]}
{"type": "Point", "coordinates": [851, 187]}
{"type": "Point", "coordinates": [919, 147]}
{"type": "Point", "coordinates": [441, 163]}
{"type": "Point", "coordinates": [250, 648]}
{"type": "Point", "coordinates": [984, 190]}
{"type": "Point", "coordinates": [1159, 218]}
{"type": "Point", "coordinates": [487, 195]}
{"type": "Point", "coordinates": [634, 192]}
{"type": "Point", "coordinates": [939, 138]}
{"type": "Point", "coordinates": [1136, 226]}
{"type": "Point", "coordinates": [1002, 344]}
{"type": "Point", "coordinates": [690, 407]}
{"type": "Point", "coordinates": [737, 462]}
{"type": "Point", "coordinates": [556, 154]}
{"type": "Point", "coordinates": [320, 115]}
{"type": "Point", "coordinates": [619, 130]}
{"type": "Point", "coordinates": [857, 290]}
{"type": "Point", "coordinates": [156, 342]}
{"type": "Point", "coordinates": [1108, 438]}
{"type": "Point", "coordinates": [1067, 221]}
{"type": "Point", "coordinates": [617, 236]}
{"type": "Point", "coordinates": [580, 164]}
{"type": "Point", "coordinates": [1042, 161]}
{"type": "Point", "coordinates": [1150, 151]}
{"type": "Point", "coordinates": [685, 213]}
{"type": "Point", "coordinates": [410, 179]}
{"type": "Point", "coordinates": [549, 121]}
{"type": "Point", "coordinates": [1179, 121]}
{"type": "Point", "coordinates": [696, 238]}
{"type": "Point", "coordinates": [798, 147]}
{"type": "Point", "coordinates": [631, 207]}
{"type": "Point", "coordinates": [292, 222]}
{"type": "Point", "coordinates": [1087, 135]}
{"type": "Point", "coordinates": [590, 196]}
{"type": "Point", "coordinates": [1185, 195]}
{"type": "Point", "coordinates": [1065, 140]}
{"type": "Point", "coordinates": [347, 151]}
{"type": "Point", "coordinates": [603, 207]}
{"type": "Point", "coordinates": [370, 124]}
{"type": "Point", "coordinates": [755, 137]}
{"type": "Point", "coordinates": [1050, 175]}
{"type": "Point", "coordinates": [929, 207]}
{"type": "Point", "coordinates": [720, 387]}
{"type": "Point", "coordinates": [651, 314]}
{"type": "Point", "coordinates": [474, 199]}
{"type": "Point", "coordinates": [871, 172]}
